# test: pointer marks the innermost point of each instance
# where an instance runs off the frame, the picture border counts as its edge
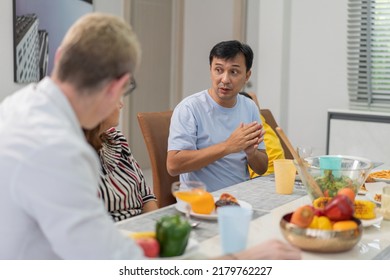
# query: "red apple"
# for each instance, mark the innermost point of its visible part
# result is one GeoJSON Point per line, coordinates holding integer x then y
{"type": "Point", "coordinates": [150, 246]}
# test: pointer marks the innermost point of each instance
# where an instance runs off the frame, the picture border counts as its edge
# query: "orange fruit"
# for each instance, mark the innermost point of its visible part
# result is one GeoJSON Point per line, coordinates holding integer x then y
{"type": "Point", "coordinates": [302, 216]}
{"type": "Point", "coordinates": [347, 192]}
{"type": "Point", "coordinates": [345, 225]}
{"type": "Point", "coordinates": [203, 204]}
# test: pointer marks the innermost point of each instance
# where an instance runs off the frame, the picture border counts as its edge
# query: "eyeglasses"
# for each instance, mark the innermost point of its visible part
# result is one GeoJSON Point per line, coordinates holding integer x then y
{"type": "Point", "coordinates": [130, 87]}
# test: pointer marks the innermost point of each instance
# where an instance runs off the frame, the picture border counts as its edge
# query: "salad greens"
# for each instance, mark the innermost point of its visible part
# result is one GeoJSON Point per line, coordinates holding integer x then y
{"type": "Point", "coordinates": [331, 184]}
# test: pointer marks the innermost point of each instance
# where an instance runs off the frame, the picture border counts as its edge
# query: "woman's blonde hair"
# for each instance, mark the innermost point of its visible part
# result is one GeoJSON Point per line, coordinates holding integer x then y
{"type": "Point", "coordinates": [97, 48]}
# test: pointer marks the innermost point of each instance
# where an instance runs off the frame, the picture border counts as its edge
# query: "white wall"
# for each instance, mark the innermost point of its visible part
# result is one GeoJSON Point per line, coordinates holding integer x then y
{"type": "Point", "coordinates": [203, 28]}
{"type": "Point", "coordinates": [114, 7]}
{"type": "Point", "coordinates": [302, 65]}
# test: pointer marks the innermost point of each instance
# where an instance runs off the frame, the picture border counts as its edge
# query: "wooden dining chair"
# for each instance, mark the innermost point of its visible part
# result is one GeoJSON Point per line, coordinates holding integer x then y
{"type": "Point", "coordinates": [269, 118]}
{"type": "Point", "coordinates": [155, 130]}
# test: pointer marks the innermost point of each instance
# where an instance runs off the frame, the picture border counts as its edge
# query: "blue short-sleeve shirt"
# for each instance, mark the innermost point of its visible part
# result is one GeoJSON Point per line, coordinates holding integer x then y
{"type": "Point", "coordinates": [199, 122]}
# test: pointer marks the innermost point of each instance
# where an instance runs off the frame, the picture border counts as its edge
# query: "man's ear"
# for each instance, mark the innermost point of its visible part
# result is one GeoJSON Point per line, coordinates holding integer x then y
{"type": "Point", "coordinates": [57, 55]}
{"type": "Point", "coordinates": [248, 75]}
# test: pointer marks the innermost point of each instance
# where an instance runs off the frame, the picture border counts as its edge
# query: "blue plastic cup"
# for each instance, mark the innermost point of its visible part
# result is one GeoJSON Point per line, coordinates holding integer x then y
{"type": "Point", "coordinates": [234, 227]}
{"type": "Point", "coordinates": [331, 163]}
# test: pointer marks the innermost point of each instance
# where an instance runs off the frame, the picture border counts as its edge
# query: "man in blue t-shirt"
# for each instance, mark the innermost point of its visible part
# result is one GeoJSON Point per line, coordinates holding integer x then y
{"type": "Point", "coordinates": [216, 133]}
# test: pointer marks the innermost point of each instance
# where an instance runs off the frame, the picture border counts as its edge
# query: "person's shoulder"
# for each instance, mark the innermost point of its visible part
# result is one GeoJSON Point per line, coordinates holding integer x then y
{"type": "Point", "coordinates": [196, 97]}
{"type": "Point", "coordinates": [113, 132]}
{"type": "Point", "coordinates": [115, 136]}
{"type": "Point", "coordinates": [193, 100]}
{"type": "Point", "coordinates": [247, 102]}
{"type": "Point", "coordinates": [245, 99]}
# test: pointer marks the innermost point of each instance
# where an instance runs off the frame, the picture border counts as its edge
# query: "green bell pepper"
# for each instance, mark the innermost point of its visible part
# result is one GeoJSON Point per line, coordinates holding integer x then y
{"type": "Point", "coordinates": [172, 232]}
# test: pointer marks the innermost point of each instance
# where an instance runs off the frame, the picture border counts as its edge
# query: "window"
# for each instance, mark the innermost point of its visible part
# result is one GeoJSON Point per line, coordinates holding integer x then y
{"type": "Point", "coordinates": [369, 54]}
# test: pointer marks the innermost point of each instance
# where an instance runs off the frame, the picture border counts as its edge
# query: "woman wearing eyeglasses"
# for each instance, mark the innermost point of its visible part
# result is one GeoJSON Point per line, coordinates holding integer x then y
{"type": "Point", "coordinates": [122, 184]}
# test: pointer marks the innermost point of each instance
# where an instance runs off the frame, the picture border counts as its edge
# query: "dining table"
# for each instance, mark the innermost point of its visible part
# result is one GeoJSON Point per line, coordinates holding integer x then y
{"type": "Point", "coordinates": [268, 209]}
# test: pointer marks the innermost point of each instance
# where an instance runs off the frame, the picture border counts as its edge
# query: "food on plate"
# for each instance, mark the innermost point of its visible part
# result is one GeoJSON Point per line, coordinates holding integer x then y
{"type": "Point", "coordinates": [378, 197]}
{"type": "Point", "coordinates": [382, 174]}
{"type": "Point", "coordinates": [369, 179]}
{"type": "Point", "coordinates": [226, 199]}
{"type": "Point", "coordinates": [172, 233]}
{"type": "Point", "coordinates": [203, 204]}
{"type": "Point", "coordinates": [303, 216]}
{"type": "Point", "coordinates": [149, 245]}
{"type": "Point", "coordinates": [364, 210]}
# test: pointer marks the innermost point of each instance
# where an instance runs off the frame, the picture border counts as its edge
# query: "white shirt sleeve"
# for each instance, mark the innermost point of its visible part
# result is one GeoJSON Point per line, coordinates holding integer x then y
{"type": "Point", "coordinates": [58, 188]}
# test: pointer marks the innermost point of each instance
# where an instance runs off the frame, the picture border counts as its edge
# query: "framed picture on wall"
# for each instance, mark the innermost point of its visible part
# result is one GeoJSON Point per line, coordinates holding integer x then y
{"type": "Point", "coordinates": [39, 26]}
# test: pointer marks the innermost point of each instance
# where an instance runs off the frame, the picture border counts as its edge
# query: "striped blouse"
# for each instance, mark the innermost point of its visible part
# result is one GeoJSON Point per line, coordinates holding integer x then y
{"type": "Point", "coordinates": [122, 184]}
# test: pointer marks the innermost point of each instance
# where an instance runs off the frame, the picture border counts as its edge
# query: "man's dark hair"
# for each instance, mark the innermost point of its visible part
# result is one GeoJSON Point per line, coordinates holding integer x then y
{"type": "Point", "coordinates": [229, 49]}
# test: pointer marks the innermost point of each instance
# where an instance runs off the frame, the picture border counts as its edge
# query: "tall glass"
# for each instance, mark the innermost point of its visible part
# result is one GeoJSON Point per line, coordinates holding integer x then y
{"type": "Point", "coordinates": [189, 192]}
{"type": "Point", "coordinates": [304, 151]}
{"type": "Point", "coordinates": [385, 201]}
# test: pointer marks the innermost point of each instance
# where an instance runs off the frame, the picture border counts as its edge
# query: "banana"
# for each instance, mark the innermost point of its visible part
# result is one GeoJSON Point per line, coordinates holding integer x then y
{"type": "Point", "coordinates": [142, 234]}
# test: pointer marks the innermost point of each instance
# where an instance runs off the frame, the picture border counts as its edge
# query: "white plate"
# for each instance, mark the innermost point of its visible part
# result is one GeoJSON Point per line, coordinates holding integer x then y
{"type": "Point", "coordinates": [381, 180]}
{"type": "Point", "coordinates": [362, 192]}
{"type": "Point", "coordinates": [191, 248]}
{"type": "Point", "coordinates": [375, 187]}
{"type": "Point", "coordinates": [181, 207]}
{"type": "Point", "coordinates": [377, 220]}
{"type": "Point", "coordinates": [386, 180]}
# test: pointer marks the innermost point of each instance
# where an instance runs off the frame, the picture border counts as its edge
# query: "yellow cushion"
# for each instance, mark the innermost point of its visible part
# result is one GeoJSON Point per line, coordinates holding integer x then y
{"type": "Point", "coordinates": [273, 148]}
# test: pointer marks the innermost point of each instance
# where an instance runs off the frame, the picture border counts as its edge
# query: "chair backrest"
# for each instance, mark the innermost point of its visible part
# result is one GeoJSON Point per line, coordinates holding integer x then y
{"type": "Point", "coordinates": [155, 130]}
{"type": "Point", "coordinates": [269, 118]}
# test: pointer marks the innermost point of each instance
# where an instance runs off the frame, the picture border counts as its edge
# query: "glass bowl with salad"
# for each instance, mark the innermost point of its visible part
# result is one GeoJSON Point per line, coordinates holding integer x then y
{"type": "Point", "coordinates": [334, 172]}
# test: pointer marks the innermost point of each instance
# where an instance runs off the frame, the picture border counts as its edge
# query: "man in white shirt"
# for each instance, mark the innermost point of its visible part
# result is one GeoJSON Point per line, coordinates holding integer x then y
{"type": "Point", "coordinates": [49, 204]}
